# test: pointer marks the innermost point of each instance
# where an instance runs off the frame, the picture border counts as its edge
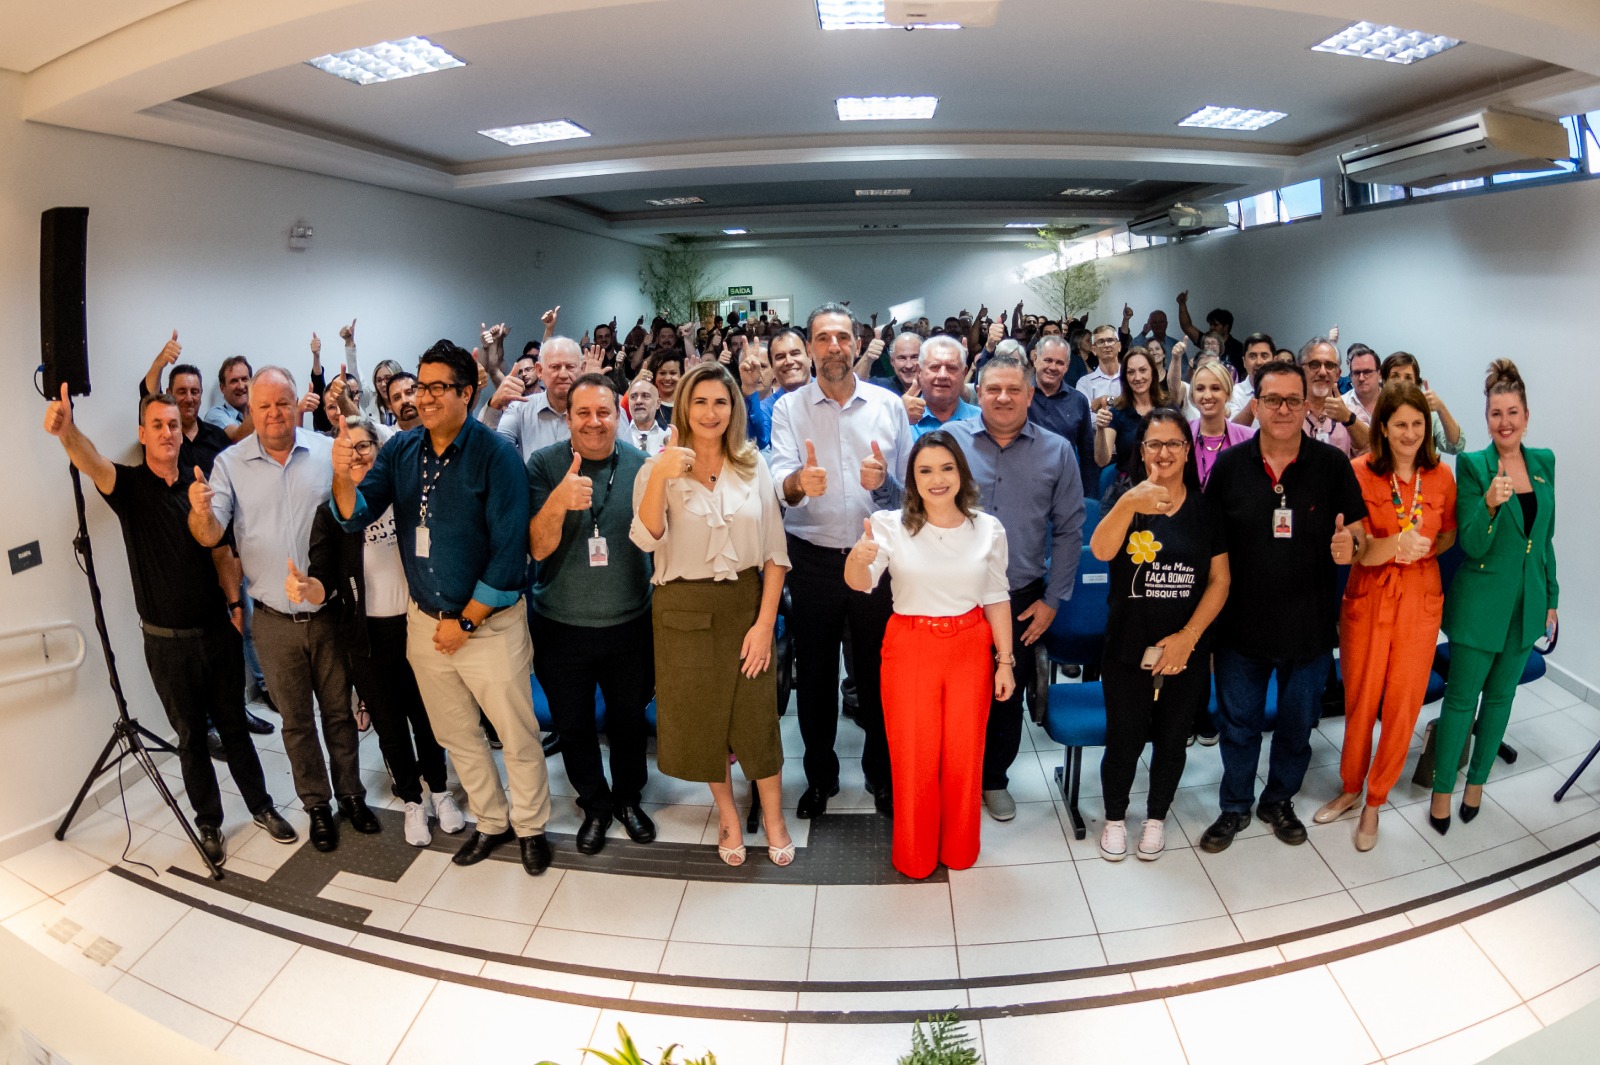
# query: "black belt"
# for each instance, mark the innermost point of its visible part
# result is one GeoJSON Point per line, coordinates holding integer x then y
{"type": "Point", "coordinates": [298, 619]}
{"type": "Point", "coordinates": [453, 615]}
{"type": "Point", "coordinates": [172, 634]}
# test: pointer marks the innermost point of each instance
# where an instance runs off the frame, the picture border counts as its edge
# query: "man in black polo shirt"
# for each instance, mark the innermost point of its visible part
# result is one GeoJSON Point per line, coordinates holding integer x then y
{"type": "Point", "coordinates": [201, 441]}
{"type": "Point", "coordinates": [590, 609]}
{"type": "Point", "coordinates": [193, 653]}
{"type": "Point", "coordinates": [1280, 496]}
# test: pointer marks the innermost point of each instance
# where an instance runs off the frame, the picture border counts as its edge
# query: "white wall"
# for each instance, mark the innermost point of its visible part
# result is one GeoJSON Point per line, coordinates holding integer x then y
{"type": "Point", "coordinates": [1456, 283]}
{"type": "Point", "coordinates": [195, 242]}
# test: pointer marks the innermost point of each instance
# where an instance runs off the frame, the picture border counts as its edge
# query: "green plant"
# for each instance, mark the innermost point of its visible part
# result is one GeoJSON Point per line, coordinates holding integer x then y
{"type": "Point", "coordinates": [628, 1054]}
{"type": "Point", "coordinates": [944, 1042]}
{"type": "Point", "coordinates": [1070, 293]}
{"type": "Point", "coordinates": [677, 277]}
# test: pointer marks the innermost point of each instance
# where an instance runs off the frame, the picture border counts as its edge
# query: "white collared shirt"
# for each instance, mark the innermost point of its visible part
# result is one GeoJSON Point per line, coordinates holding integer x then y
{"type": "Point", "coordinates": [1095, 384]}
{"type": "Point", "coordinates": [650, 440]}
{"type": "Point", "coordinates": [843, 436]}
{"type": "Point", "coordinates": [530, 424]}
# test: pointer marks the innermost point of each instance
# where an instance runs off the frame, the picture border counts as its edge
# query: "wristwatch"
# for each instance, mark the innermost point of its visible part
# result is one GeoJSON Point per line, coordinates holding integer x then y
{"type": "Point", "coordinates": [467, 626]}
{"type": "Point", "coordinates": [1347, 423]}
{"type": "Point", "coordinates": [237, 604]}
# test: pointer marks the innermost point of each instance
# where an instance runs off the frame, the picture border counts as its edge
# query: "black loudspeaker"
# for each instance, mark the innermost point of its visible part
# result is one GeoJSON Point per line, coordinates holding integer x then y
{"type": "Point", "coordinates": [63, 319]}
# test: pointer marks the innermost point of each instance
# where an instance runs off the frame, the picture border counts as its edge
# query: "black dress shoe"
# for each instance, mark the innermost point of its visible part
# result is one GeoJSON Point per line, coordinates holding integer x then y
{"type": "Point", "coordinates": [259, 725]}
{"type": "Point", "coordinates": [276, 827]}
{"type": "Point", "coordinates": [636, 823]}
{"type": "Point", "coordinates": [592, 835]}
{"type": "Point", "coordinates": [214, 745]}
{"type": "Point", "coordinates": [535, 853]}
{"type": "Point", "coordinates": [551, 744]}
{"type": "Point", "coordinates": [354, 808]}
{"type": "Point", "coordinates": [1218, 837]}
{"type": "Point", "coordinates": [1468, 812]}
{"type": "Point", "coordinates": [324, 830]}
{"type": "Point", "coordinates": [1285, 825]}
{"type": "Point", "coordinates": [480, 846]}
{"type": "Point", "coordinates": [883, 800]}
{"type": "Point", "coordinates": [213, 843]}
{"type": "Point", "coordinates": [814, 801]}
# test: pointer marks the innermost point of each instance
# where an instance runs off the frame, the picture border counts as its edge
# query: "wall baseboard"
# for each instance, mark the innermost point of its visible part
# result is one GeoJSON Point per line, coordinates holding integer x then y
{"type": "Point", "coordinates": [103, 796]}
{"type": "Point", "coordinates": [1573, 683]}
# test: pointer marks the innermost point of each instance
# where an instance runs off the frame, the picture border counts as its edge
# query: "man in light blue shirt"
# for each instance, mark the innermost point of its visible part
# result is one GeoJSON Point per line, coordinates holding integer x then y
{"type": "Point", "coordinates": [941, 375]}
{"type": "Point", "coordinates": [232, 412]}
{"type": "Point", "coordinates": [269, 487]}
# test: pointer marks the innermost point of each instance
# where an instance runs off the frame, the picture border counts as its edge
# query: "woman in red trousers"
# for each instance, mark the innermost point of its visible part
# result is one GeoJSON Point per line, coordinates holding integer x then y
{"type": "Point", "coordinates": [952, 610]}
{"type": "Point", "coordinates": [1389, 621]}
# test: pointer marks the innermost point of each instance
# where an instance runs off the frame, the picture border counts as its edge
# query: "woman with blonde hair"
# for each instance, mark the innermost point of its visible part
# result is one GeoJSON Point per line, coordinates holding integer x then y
{"type": "Point", "coordinates": [1210, 391]}
{"type": "Point", "coordinates": [706, 510]}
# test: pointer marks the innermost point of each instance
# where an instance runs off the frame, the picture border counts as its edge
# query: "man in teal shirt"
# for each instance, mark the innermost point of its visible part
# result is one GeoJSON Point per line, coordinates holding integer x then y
{"type": "Point", "coordinates": [591, 609]}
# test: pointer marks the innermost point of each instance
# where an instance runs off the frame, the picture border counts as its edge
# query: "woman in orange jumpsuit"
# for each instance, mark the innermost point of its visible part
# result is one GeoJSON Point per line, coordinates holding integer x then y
{"type": "Point", "coordinates": [1389, 621]}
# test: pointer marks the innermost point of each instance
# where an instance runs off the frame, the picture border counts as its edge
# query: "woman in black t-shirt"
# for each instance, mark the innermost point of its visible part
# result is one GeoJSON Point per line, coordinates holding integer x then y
{"type": "Point", "coordinates": [1169, 579]}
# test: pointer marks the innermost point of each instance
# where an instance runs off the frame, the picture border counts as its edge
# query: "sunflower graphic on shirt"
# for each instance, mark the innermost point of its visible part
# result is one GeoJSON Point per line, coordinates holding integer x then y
{"type": "Point", "coordinates": [1143, 547]}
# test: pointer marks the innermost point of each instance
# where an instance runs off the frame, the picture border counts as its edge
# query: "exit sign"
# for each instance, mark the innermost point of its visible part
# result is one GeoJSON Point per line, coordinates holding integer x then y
{"type": "Point", "coordinates": [741, 290]}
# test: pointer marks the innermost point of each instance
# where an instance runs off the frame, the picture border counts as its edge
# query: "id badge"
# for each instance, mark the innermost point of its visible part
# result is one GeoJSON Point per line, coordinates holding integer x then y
{"type": "Point", "coordinates": [1282, 523]}
{"type": "Point", "coordinates": [598, 555]}
{"type": "Point", "coordinates": [422, 541]}
{"type": "Point", "coordinates": [1324, 435]}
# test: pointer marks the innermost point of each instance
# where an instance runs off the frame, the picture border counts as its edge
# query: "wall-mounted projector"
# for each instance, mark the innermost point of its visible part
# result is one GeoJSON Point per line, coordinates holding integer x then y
{"type": "Point", "coordinates": [967, 14]}
{"type": "Point", "coordinates": [1180, 220]}
{"type": "Point", "coordinates": [1489, 142]}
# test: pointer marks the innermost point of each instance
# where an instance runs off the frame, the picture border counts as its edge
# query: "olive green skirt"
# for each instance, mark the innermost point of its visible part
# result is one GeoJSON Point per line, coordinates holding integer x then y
{"type": "Point", "coordinates": [706, 707]}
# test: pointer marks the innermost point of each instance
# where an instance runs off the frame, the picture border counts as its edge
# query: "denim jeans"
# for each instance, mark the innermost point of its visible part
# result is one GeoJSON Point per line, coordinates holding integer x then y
{"type": "Point", "coordinates": [1241, 711]}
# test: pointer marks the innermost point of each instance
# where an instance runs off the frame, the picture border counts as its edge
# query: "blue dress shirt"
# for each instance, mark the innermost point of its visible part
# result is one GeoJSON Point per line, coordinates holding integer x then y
{"type": "Point", "coordinates": [477, 515]}
{"type": "Point", "coordinates": [964, 412]}
{"type": "Point", "coordinates": [1067, 415]}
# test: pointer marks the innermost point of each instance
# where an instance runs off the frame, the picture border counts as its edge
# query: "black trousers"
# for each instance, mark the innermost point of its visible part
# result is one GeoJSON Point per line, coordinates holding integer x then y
{"type": "Point", "coordinates": [384, 680]}
{"type": "Point", "coordinates": [1134, 718]}
{"type": "Point", "coordinates": [822, 604]}
{"type": "Point", "coordinates": [300, 658]}
{"type": "Point", "coordinates": [199, 678]}
{"type": "Point", "coordinates": [1003, 734]}
{"type": "Point", "coordinates": [570, 660]}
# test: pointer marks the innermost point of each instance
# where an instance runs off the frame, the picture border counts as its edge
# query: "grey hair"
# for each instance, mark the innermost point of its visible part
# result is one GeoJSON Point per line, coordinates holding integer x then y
{"type": "Point", "coordinates": [1311, 345]}
{"type": "Point", "coordinates": [562, 342]}
{"type": "Point", "coordinates": [941, 340]}
{"type": "Point", "coordinates": [273, 371]}
{"type": "Point", "coordinates": [1055, 339]}
{"type": "Point", "coordinates": [1006, 361]}
{"type": "Point", "coordinates": [830, 308]}
{"type": "Point", "coordinates": [1010, 347]}
{"type": "Point", "coordinates": [364, 423]}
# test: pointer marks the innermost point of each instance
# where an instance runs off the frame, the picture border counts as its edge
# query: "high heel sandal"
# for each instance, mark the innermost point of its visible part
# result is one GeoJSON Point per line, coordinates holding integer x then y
{"type": "Point", "coordinates": [781, 855]}
{"type": "Point", "coordinates": [731, 855]}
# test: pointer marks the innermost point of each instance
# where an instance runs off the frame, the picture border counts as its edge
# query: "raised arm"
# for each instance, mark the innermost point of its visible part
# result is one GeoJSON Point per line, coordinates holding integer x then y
{"type": "Point", "coordinates": [164, 358]}
{"type": "Point", "coordinates": [1185, 322]}
{"type": "Point", "coordinates": [80, 450]}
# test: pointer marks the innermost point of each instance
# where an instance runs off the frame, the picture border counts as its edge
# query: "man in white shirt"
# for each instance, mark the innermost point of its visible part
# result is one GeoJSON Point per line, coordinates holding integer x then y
{"type": "Point", "coordinates": [535, 420]}
{"type": "Point", "coordinates": [642, 431]}
{"type": "Point", "coordinates": [1258, 351]}
{"type": "Point", "coordinates": [1105, 380]}
{"type": "Point", "coordinates": [1365, 383]}
{"type": "Point", "coordinates": [839, 449]}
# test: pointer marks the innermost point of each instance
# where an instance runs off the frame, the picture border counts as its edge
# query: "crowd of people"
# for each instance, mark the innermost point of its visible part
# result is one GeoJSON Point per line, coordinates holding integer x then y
{"type": "Point", "coordinates": [629, 517]}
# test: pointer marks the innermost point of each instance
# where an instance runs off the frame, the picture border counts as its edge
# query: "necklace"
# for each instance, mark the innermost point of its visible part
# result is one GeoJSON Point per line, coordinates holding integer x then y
{"type": "Point", "coordinates": [1413, 519]}
{"type": "Point", "coordinates": [1205, 442]}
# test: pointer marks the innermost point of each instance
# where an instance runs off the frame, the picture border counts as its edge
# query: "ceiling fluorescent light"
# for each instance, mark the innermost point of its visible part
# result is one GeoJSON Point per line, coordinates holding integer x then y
{"type": "Point", "coordinates": [736, 232]}
{"type": "Point", "coordinates": [1026, 225]}
{"type": "Point", "coordinates": [885, 108]}
{"type": "Point", "coordinates": [867, 15]}
{"type": "Point", "coordinates": [1243, 119]}
{"type": "Point", "coordinates": [536, 132]}
{"type": "Point", "coordinates": [1087, 192]}
{"type": "Point", "coordinates": [1391, 44]}
{"type": "Point", "coordinates": [883, 192]}
{"type": "Point", "coordinates": [387, 61]}
{"type": "Point", "coordinates": [675, 201]}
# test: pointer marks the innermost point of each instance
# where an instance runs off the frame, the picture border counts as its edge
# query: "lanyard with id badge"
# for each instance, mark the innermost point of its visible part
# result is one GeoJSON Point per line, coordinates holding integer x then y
{"type": "Point", "coordinates": [1282, 517]}
{"type": "Point", "coordinates": [429, 479]}
{"type": "Point", "coordinates": [599, 553]}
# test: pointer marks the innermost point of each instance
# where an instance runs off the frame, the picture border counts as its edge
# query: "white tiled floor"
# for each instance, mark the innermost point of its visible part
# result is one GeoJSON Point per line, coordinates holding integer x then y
{"type": "Point", "coordinates": [1038, 901]}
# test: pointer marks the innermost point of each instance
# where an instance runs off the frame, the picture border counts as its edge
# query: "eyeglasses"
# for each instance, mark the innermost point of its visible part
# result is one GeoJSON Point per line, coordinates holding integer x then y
{"type": "Point", "coordinates": [1362, 373]}
{"type": "Point", "coordinates": [1281, 402]}
{"type": "Point", "coordinates": [1325, 365]}
{"type": "Point", "coordinates": [1156, 447]}
{"type": "Point", "coordinates": [1105, 340]}
{"type": "Point", "coordinates": [437, 389]}
{"type": "Point", "coordinates": [363, 447]}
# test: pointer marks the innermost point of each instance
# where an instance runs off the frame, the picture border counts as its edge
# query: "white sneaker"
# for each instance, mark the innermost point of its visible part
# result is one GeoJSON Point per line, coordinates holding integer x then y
{"type": "Point", "coordinates": [1153, 840]}
{"type": "Point", "coordinates": [1114, 841]}
{"type": "Point", "coordinates": [417, 831]}
{"type": "Point", "coordinates": [451, 819]}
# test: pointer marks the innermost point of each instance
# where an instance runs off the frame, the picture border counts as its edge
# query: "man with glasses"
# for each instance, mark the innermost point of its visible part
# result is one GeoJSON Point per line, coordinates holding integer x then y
{"type": "Point", "coordinates": [1104, 382]}
{"type": "Point", "coordinates": [1287, 502]}
{"type": "Point", "coordinates": [1365, 384]}
{"type": "Point", "coordinates": [1326, 417]}
{"type": "Point", "coordinates": [460, 498]}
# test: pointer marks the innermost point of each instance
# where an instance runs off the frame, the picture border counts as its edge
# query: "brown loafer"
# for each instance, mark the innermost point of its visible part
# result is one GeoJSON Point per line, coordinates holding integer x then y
{"type": "Point", "coordinates": [1334, 809]}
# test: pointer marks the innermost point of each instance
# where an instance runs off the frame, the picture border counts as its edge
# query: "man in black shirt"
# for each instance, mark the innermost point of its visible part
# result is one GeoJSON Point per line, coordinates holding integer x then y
{"type": "Point", "coordinates": [194, 654]}
{"type": "Point", "coordinates": [1281, 496]}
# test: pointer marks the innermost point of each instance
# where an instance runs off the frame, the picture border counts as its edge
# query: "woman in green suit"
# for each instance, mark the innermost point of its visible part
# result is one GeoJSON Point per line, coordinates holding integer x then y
{"type": "Point", "coordinates": [1503, 597]}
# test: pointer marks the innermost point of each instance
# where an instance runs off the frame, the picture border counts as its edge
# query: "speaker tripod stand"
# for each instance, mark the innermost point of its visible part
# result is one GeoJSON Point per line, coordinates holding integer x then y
{"type": "Point", "coordinates": [129, 739]}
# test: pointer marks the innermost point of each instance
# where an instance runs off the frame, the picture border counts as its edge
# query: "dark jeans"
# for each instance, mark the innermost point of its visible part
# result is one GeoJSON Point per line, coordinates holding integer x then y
{"type": "Point", "coordinates": [570, 660]}
{"type": "Point", "coordinates": [299, 658]}
{"type": "Point", "coordinates": [1003, 735]}
{"type": "Point", "coordinates": [201, 677]}
{"type": "Point", "coordinates": [252, 664]}
{"type": "Point", "coordinates": [386, 684]}
{"type": "Point", "coordinates": [1134, 717]}
{"type": "Point", "coordinates": [822, 604]}
{"type": "Point", "coordinates": [1242, 713]}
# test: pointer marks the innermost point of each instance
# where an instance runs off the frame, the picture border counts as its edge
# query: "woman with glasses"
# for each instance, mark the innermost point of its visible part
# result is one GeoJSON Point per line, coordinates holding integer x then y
{"type": "Point", "coordinates": [1389, 619]}
{"type": "Point", "coordinates": [1169, 580]}
{"type": "Point", "coordinates": [377, 401]}
{"type": "Point", "coordinates": [360, 575]}
{"type": "Point", "coordinates": [1503, 598]}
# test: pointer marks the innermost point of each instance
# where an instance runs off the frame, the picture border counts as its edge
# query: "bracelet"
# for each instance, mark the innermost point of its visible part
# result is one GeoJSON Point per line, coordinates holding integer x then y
{"type": "Point", "coordinates": [1005, 658]}
{"type": "Point", "coordinates": [237, 604]}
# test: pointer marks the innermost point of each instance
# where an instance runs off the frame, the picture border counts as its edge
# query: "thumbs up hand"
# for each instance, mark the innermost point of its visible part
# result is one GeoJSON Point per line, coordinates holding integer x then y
{"type": "Point", "coordinates": [575, 492]}
{"type": "Point", "coordinates": [865, 550]}
{"type": "Point", "coordinates": [297, 586]}
{"type": "Point", "coordinates": [344, 452]}
{"type": "Point", "coordinates": [1500, 488]}
{"type": "Point", "coordinates": [674, 461]}
{"type": "Point", "coordinates": [1343, 544]}
{"type": "Point", "coordinates": [1411, 546]}
{"type": "Point", "coordinates": [171, 350]}
{"type": "Point", "coordinates": [348, 333]}
{"type": "Point", "coordinates": [915, 405]}
{"type": "Point", "coordinates": [813, 478]}
{"type": "Point", "coordinates": [200, 492]}
{"type": "Point", "coordinates": [58, 414]}
{"type": "Point", "coordinates": [874, 469]}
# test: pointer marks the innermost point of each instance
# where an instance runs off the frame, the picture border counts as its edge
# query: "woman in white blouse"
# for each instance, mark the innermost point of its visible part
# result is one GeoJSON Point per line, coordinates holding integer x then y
{"type": "Point", "coordinates": [709, 515]}
{"type": "Point", "coordinates": [951, 607]}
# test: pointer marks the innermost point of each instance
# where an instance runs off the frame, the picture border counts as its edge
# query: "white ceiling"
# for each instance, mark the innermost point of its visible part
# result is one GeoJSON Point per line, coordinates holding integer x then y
{"type": "Point", "coordinates": [733, 99]}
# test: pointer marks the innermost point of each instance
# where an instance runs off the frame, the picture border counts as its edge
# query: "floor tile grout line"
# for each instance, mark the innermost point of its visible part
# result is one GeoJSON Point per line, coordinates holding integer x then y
{"type": "Point", "coordinates": [412, 1023]}
{"type": "Point", "coordinates": [1345, 995]}
{"type": "Point", "coordinates": [1576, 976]}
{"type": "Point", "coordinates": [1166, 1004]}
{"type": "Point", "coordinates": [1492, 963]}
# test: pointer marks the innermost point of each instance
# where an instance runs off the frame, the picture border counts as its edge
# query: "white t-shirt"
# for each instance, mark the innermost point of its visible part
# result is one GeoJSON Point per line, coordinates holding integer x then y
{"type": "Point", "coordinates": [385, 575]}
{"type": "Point", "coordinates": [1095, 384]}
{"type": "Point", "coordinates": [941, 573]}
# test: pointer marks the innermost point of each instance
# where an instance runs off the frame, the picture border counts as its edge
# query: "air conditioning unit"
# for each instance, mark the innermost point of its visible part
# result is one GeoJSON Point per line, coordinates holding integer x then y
{"type": "Point", "coordinates": [1180, 220]}
{"type": "Point", "coordinates": [967, 14]}
{"type": "Point", "coordinates": [1489, 142]}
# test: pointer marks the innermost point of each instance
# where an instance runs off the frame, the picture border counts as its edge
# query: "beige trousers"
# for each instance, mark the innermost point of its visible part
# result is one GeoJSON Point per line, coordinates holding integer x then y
{"type": "Point", "coordinates": [490, 671]}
